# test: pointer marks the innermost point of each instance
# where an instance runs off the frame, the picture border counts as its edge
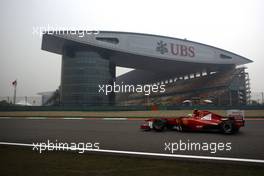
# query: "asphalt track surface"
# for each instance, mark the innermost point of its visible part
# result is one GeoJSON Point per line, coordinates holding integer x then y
{"type": "Point", "coordinates": [125, 135]}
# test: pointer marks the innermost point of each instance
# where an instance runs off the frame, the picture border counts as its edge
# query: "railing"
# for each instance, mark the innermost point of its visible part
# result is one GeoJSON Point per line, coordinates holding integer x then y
{"type": "Point", "coordinates": [22, 100]}
{"type": "Point", "coordinates": [34, 104]}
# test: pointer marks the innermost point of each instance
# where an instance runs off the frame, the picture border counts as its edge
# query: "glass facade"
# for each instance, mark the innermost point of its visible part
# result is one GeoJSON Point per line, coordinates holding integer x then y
{"type": "Point", "coordinates": [82, 73]}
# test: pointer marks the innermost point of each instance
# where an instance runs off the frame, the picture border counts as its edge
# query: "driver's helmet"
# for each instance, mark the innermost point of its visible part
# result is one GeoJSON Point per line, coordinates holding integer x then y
{"type": "Point", "coordinates": [195, 113]}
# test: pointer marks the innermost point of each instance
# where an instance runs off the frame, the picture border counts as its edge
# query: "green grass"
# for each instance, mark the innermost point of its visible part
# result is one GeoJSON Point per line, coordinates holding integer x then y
{"type": "Point", "coordinates": [24, 161]}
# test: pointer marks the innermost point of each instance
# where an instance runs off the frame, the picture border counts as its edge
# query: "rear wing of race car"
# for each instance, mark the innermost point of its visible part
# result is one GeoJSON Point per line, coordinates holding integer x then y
{"type": "Point", "coordinates": [236, 114]}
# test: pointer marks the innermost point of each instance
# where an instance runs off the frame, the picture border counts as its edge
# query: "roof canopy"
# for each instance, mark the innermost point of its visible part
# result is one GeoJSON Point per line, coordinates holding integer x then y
{"type": "Point", "coordinates": [157, 54]}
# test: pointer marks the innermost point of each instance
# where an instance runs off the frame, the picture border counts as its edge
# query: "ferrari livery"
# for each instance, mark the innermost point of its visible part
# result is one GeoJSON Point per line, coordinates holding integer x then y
{"type": "Point", "coordinates": [200, 120]}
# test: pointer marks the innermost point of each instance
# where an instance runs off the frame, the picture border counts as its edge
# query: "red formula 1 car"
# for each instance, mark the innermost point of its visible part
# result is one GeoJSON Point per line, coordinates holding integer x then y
{"type": "Point", "coordinates": [198, 121]}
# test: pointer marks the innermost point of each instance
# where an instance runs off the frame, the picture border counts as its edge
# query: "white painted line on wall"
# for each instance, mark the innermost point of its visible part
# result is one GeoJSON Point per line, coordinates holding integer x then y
{"type": "Point", "coordinates": [99, 118]}
{"type": "Point", "coordinates": [36, 118]}
{"type": "Point", "coordinates": [5, 117]}
{"type": "Point", "coordinates": [72, 118]}
{"type": "Point", "coordinates": [114, 118]}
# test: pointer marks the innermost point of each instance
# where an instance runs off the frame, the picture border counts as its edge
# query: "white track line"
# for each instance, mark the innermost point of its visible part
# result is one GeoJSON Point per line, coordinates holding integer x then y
{"type": "Point", "coordinates": [146, 153]}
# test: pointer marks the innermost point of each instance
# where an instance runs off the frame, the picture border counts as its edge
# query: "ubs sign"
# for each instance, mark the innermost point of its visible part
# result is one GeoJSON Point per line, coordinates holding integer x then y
{"type": "Point", "coordinates": [175, 49]}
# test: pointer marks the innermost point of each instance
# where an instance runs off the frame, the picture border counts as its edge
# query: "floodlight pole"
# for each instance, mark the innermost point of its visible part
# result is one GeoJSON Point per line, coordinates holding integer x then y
{"type": "Point", "coordinates": [262, 97]}
{"type": "Point", "coordinates": [14, 101]}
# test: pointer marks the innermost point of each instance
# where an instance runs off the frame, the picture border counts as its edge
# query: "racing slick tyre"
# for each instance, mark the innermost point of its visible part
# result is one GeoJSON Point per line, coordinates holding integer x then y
{"type": "Point", "coordinates": [179, 127]}
{"type": "Point", "coordinates": [227, 127]}
{"type": "Point", "coordinates": [159, 125]}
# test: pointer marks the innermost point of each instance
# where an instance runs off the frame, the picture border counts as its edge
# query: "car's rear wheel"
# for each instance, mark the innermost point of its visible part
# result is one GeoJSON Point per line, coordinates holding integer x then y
{"type": "Point", "coordinates": [227, 127]}
{"type": "Point", "coordinates": [159, 125]}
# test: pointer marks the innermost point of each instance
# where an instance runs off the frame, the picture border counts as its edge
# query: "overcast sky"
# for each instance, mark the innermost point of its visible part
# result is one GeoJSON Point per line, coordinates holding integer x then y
{"type": "Point", "coordinates": [234, 25]}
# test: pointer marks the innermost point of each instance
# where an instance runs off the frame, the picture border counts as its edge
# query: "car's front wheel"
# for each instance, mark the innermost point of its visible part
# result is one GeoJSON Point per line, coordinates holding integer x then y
{"type": "Point", "coordinates": [159, 125]}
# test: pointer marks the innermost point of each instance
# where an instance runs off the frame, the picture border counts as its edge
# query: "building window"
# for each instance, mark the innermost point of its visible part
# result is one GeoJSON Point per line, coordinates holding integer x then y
{"type": "Point", "coordinates": [222, 56]}
{"type": "Point", "coordinates": [108, 39]}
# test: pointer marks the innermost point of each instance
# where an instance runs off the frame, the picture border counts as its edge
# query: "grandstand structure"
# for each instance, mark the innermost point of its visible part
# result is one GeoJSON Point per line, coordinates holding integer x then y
{"type": "Point", "coordinates": [227, 87]}
{"type": "Point", "coordinates": [191, 71]}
